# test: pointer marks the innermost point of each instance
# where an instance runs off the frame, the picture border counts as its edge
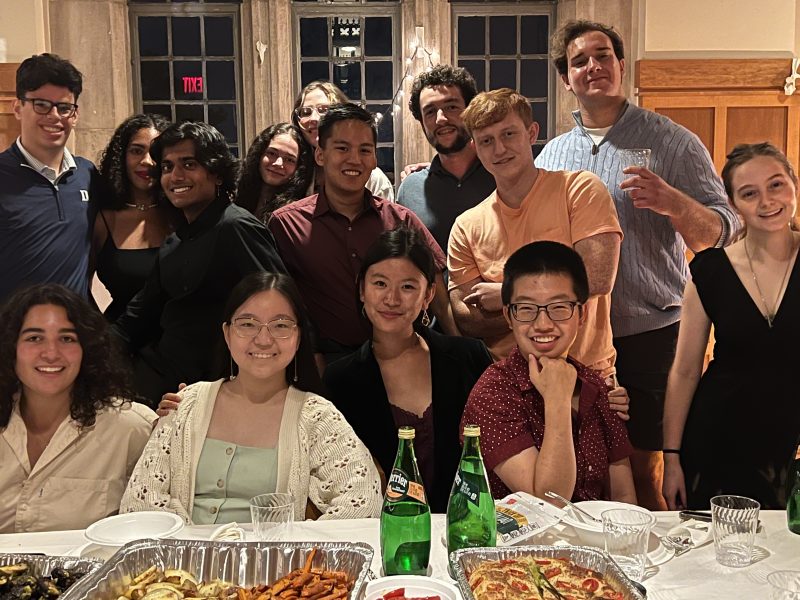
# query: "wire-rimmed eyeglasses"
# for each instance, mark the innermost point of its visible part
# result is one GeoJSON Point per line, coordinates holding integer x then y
{"type": "Point", "coordinates": [304, 112]}
{"type": "Point", "coordinates": [42, 106]}
{"type": "Point", "coordinates": [248, 327]}
{"type": "Point", "coordinates": [527, 312]}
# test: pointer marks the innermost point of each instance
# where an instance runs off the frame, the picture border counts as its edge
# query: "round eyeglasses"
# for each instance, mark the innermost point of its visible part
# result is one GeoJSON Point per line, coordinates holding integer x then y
{"type": "Point", "coordinates": [305, 112]}
{"type": "Point", "coordinates": [248, 327]}
{"type": "Point", "coordinates": [43, 107]}
{"type": "Point", "coordinates": [526, 312]}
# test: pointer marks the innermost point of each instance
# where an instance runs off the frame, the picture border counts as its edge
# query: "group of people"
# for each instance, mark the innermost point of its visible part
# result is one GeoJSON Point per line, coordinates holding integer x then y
{"type": "Point", "coordinates": [311, 315]}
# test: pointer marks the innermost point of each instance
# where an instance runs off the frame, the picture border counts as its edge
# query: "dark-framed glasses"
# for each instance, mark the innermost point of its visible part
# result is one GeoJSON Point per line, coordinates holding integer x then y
{"type": "Point", "coordinates": [526, 312]}
{"type": "Point", "coordinates": [248, 327]}
{"type": "Point", "coordinates": [306, 111]}
{"type": "Point", "coordinates": [43, 107]}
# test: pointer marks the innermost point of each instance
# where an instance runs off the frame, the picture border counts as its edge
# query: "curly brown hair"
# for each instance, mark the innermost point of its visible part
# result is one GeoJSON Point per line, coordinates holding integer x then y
{"type": "Point", "coordinates": [442, 75]}
{"type": "Point", "coordinates": [571, 30]}
{"type": "Point", "coordinates": [103, 379]}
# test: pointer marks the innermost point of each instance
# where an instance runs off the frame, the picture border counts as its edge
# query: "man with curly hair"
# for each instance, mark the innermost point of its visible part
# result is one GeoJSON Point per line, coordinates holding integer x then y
{"type": "Point", "coordinates": [47, 215]}
{"type": "Point", "coordinates": [455, 180]}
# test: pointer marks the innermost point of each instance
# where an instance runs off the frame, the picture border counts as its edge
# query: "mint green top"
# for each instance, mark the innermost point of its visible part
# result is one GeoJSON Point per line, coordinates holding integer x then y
{"type": "Point", "coordinates": [228, 475]}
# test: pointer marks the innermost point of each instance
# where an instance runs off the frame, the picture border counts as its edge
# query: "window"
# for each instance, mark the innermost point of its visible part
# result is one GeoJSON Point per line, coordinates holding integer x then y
{"type": "Point", "coordinates": [187, 62]}
{"type": "Point", "coordinates": [505, 44]}
{"type": "Point", "coordinates": [356, 50]}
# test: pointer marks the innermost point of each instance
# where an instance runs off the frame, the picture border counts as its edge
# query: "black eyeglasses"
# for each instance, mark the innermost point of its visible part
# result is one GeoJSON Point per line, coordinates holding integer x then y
{"type": "Point", "coordinates": [306, 111]}
{"type": "Point", "coordinates": [525, 312]}
{"type": "Point", "coordinates": [43, 107]}
{"type": "Point", "coordinates": [247, 327]}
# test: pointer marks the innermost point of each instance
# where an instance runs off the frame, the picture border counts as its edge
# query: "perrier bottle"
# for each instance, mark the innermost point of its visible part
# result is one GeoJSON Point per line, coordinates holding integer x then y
{"type": "Point", "coordinates": [471, 520]}
{"type": "Point", "coordinates": [406, 517]}
{"type": "Point", "coordinates": [793, 500]}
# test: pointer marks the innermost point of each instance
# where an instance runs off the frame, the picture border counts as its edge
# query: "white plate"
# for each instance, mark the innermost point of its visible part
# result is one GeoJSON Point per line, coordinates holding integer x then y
{"type": "Point", "coordinates": [416, 586]}
{"type": "Point", "coordinates": [121, 529]}
{"type": "Point", "coordinates": [591, 534]}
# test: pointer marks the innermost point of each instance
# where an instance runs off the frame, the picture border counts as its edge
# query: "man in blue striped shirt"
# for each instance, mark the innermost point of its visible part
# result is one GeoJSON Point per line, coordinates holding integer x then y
{"type": "Point", "coordinates": [675, 203]}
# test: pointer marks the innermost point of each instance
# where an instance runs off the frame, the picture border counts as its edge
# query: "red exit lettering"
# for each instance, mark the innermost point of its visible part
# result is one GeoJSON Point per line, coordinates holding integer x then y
{"type": "Point", "coordinates": [192, 85]}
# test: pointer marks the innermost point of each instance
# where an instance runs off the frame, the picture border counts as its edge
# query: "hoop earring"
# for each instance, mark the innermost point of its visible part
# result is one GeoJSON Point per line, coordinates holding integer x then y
{"type": "Point", "coordinates": [426, 320]}
{"type": "Point", "coordinates": [232, 376]}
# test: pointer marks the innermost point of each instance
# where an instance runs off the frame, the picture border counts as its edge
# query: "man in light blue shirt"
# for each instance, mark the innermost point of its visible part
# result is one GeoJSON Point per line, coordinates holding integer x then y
{"type": "Point", "coordinates": [677, 202]}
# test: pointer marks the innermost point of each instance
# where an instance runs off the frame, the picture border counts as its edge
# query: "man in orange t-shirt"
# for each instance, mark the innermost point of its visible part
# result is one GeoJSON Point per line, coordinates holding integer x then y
{"type": "Point", "coordinates": [530, 204]}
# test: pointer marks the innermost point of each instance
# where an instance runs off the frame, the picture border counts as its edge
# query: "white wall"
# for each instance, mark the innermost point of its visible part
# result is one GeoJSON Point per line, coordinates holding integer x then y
{"type": "Point", "coordinates": [23, 29]}
{"type": "Point", "coordinates": [720, 28]}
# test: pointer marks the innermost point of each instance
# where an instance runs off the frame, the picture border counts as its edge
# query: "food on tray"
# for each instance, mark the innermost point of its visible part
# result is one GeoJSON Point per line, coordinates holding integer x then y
{"type": "Point", "coordinates": [400, 594]}
{"type": "Point", "coordinates": [531, 578]}
{"type": "Point", "coordinates": [175, 584]}
{"type": "Point", "coordinates": [304, 584]}
{"type": "Point", "coordinates": [17, 582]}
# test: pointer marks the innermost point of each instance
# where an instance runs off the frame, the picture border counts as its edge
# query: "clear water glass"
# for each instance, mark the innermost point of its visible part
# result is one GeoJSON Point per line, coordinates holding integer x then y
{"type": "Point", "coordinates": [626, 533]}
{"type": "Point", "coordinates": [734, 520]}
{"type": "Point", "coordinates": [272, 515]}
{"type": "Point", "coordinates": [784, 585]}
{"type": "Point", "coordinates": [634, 157]}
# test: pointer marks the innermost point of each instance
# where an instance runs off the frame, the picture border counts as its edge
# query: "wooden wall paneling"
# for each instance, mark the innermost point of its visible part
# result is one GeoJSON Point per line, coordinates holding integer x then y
{"type": "Point", "coordinates": [9, 126]}
{"type": "Point", "coordinates": [712, 74]}
{"type": "Point", "coordinates": [752, 124]}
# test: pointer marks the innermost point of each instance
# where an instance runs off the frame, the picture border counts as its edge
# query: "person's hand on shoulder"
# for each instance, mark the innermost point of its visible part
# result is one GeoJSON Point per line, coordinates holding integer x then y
{"type": "Point", "coordinates": [486, 296]}
{"type": "Point", "coordinates": [413, 168]}
{"type": "Point", "coordinates": [169, 402]}
{"type": "Point", "coordinates": [618, 399]}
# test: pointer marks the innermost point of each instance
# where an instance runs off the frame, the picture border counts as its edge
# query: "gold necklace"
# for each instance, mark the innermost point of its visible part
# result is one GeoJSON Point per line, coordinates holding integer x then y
{"type": "Point", "coordinates": [141, 207]}
{"type": "Point", "coordinates": [770, 316]}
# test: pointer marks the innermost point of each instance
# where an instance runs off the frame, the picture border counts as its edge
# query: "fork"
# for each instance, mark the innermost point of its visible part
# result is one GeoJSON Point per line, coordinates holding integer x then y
{"type": "Point", "coordinates": [574, 507]}
{"type": "Point", "coordinates": [678, 544]}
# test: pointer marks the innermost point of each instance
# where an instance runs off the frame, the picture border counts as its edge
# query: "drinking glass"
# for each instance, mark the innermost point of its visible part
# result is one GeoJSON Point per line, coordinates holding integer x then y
{"type": "Point", "coordinates": [634, 157]}
{"type": "Point", "coordinates": [734, 520]}
{"type": "Point", "coordinates": [784, 585]}
{"type": "Point", "coordinates": [271, 515]}
{"type": "Point", "coordinates": [626, 534]}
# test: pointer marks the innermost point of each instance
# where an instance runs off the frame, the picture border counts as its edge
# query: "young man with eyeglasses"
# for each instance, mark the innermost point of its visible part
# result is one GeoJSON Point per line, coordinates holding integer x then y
{"type": "Point", "coordinates": [47, 213]}
{"type": "Point", "coordinates": [545, 420]}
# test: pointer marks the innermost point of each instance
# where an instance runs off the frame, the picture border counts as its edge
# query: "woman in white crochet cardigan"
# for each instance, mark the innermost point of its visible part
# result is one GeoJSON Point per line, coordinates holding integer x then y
{"type": "Point", "coordinates": [264, 429]}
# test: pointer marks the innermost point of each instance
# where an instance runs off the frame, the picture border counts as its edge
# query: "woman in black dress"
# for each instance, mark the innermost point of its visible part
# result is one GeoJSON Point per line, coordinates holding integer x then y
{"type": "Point", "coordinates": [733, 430]}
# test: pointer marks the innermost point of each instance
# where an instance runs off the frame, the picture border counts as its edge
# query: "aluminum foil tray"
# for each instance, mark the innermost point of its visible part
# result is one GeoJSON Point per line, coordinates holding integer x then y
{"type": "Point", "coordinates": [42, 565]}
{"type": "Point", "coordinates": [464, 561]}
{"type": "Point", "coordinates": [241, 563]}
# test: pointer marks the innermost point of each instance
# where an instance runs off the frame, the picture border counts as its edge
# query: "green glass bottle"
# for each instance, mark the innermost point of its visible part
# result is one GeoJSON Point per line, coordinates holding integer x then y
{"type": "Point", "coordinates": [471, 520]}
{"type": "Point", "coordinates": [406, 517]}
{"type": "Point", "coordinates": [793, 500]}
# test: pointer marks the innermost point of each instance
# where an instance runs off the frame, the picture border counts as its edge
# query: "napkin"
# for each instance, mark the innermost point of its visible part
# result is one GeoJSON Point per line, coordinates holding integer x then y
{"type": "Point", "coordinates": [698, 531]}
{"type": "Point", "coordinates": [231, 532]}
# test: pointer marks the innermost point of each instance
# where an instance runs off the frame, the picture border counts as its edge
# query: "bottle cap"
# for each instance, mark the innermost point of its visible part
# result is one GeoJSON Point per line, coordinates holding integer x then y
{"type": "Point", "coordinates": [472, 431]}
{"type": "Point", "coordinates": [406, 433]}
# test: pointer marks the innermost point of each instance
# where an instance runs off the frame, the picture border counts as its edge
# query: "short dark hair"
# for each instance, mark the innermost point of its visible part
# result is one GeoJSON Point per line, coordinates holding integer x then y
{"type": "Point", "coordinates": [743, 153]}
{"type": "Point", "coordinates": [442, 75]}
{"type": "Point", "coordinates": [41, 69]}
{"type": "Point", "coordinates": [345, 112]}
{"type": "Point", "coordinates": [545, 258]}
{"type": "Point", "coordinates": [248, 190]}
{"type": "Point", "coordinates": [401, 242]}
{"type": "Point", "coordinates": [113, 171]}
{"type": "Point", "coordinates": [308, 378]}
{"type": "Point", "coordinates": [571, 30]}
{"type": "Point", "coordinates": [103, 379]}
{"type": "Point", "coordinates": [210, 148]}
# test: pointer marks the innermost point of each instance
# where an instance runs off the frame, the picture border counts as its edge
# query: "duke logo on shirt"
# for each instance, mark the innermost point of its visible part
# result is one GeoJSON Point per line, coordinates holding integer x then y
{"type": "Point", "coordinates": [84, 195]}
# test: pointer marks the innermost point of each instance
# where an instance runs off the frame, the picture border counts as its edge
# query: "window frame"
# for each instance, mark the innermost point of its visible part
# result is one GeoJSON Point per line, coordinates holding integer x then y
{"type": "Point", "coordinates": [185, 9]}
{"type": "Point", "coordinates": [358, 9]}
{"type": "Point", "coordinates": [511, 8]}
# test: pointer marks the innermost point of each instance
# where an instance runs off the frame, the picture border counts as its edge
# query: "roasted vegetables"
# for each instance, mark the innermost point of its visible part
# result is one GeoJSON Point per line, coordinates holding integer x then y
{"type": "Point", "coordinates": [18, 583]}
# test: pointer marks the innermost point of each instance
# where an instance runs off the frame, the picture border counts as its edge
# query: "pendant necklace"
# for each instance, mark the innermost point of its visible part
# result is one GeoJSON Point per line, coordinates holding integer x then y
{"type": "Point", "coordinates": [141, 207]}
{"type": "Point", "coordinates": [770, 314]}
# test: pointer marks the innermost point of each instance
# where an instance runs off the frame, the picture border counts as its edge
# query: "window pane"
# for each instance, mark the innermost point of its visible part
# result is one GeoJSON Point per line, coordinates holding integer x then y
{"type": "Point", "coordinates": [533, 37]}
{"type": "Point", "coordinates": [386, 162]}
{"type": "Point", "coordinates": [220, 80]}
{"type": "Point", "coordinates": [219, 36]}
{"type": "Point", "coordinates": [223, 117]}
{"type": "Point", "coordinates": [386, 125]}
{"type": "Point", "coordinates": [348, 77]}
{"type": "Point", "coordinates": [471, 35]}
{"type": "Point", "coordinates": [540, 116]}
{"type": "Point", "coordinates": [503, 35]}
{"type": "Point", "coordinates": [155, 80]}
{"type": "Point", "coordinates": [311, 71]}
{"type": "Point", "coordinates": [186, 36]}
{"type": "Point", "coordinates": [379, 79]}
{"type": "Point", "coordinates": [189, 112]}
{"type": "Point", "coordinates": [188, 79]}
{"type": "Point", "coordinates": [346, 35]}
{"type": "Point", "coordinates": [502, 73]}
{"type": "Point", "coordinates": [378, 36]}
{"type": "Point", "coordinates": [158, 109]}
{"type": "Point", "coordinates": [314, 37]}
{"type": "Point", "coordinates": [533, 78]}
{"type": "Point", "coordinates": [477, 69]}
{"type": "Point", "coordinates": [153, 36]}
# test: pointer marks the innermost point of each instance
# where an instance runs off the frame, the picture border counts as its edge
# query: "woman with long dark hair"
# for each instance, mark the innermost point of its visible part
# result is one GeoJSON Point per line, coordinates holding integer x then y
{"type": "Point", "coordinates": [69, 437]}
{"type": "Point", "coordinates": [264, 428]}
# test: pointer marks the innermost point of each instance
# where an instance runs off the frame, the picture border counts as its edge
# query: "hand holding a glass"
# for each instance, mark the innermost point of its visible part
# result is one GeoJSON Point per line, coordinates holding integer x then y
{"type": "Point", "coordinates": [645, 188]}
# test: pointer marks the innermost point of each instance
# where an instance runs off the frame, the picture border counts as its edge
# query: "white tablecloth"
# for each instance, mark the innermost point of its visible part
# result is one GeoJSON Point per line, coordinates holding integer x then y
{"type": "Point", "coordinates": [695, 575]}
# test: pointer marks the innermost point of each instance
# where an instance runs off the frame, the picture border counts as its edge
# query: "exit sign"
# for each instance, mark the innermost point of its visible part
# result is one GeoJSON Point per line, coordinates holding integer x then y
{"type": "Point", "coordinates": [192, 85]}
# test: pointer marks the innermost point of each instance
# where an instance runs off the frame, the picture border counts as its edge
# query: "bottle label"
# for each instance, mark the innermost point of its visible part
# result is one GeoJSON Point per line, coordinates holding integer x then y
{"type": "Point", "coordinates": [469, 489]}
{"type": "Point", "coordinates": [399, 487]}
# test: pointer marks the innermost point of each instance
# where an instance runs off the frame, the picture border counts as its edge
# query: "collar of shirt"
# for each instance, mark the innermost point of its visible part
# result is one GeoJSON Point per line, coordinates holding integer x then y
{"type": "Point", "coordinates": [323, 207]}
{"type": "Point", "coordinates": [436, 167]}
{"type": "Point", "coordinates": [207, 219]}
{"type": "Point", "coordinates": [576, 114]}
{"type": "Point", "coordinates": [67, 163]}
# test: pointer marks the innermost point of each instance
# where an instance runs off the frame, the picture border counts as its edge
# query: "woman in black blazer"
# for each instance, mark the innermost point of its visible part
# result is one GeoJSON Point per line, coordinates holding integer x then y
{"type": "Point", "coordinates": [406, 374]}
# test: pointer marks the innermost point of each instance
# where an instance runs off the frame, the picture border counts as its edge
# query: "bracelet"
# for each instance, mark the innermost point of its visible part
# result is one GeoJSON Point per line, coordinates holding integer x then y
{"type": "Point", "coordinates": [671, 451]}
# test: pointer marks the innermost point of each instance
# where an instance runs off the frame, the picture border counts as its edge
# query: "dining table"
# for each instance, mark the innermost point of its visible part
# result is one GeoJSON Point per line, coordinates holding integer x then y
{"type": "Point", "coordinates": [694, 575]}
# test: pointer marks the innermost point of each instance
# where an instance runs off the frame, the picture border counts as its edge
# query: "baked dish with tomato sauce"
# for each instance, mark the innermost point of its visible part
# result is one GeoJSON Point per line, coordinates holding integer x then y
{"type": "Point", "coordinates": [531, 578]}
